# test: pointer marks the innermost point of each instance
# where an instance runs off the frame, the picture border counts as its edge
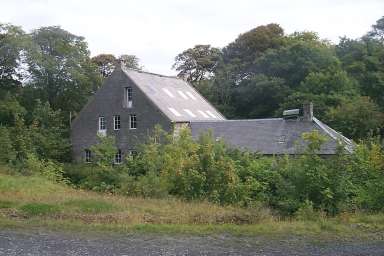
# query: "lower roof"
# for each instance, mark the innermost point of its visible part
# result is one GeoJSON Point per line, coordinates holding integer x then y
{"type": "Point", "coordinates": [272, 136]}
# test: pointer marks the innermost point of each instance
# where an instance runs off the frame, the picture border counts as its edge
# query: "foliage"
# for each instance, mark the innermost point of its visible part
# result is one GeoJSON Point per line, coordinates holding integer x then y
{"type": "Point", "coordinates": [356, 118]}
{"type": "Point", "coordinates": [47, 168]}
{"type": "Point", "coordinates": [60, 68]}
{"type": "Point", "coordinates": [107, 63]}
{"type": "Point", "coordinates": [104, 152]}
{"type": "Point", "coordinates": [197, 63]}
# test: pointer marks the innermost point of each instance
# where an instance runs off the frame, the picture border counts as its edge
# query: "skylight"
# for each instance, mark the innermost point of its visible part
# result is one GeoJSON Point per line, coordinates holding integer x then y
{"type": "Point", "coordinates": [182, 95]}
{"type": "Point", "coordinates": [211, 114]}
{"type": "Point", "coordinates": [168, 92]}
{"type": "Point", "coordinates": [191, 95]}
{"type": "Point", "coordinates": [189, 112]}
{"type": "Point", "coordinates": [174, 111]}
{"type": "Point", "coordinates": [203, 114]}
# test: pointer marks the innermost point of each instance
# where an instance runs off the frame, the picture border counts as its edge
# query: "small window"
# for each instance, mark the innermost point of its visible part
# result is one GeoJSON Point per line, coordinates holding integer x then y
{"type": "Point", "coordinates": [101, 123]}
{"type": "Point", "coordinates": [128, 97]}
{"type": "Point", "coordinates": [133, 153]}
{"type": "Point", "coordinates": [118, 157]}
{"type": "Point", "coordinates": [116, 122]}
{"type": "Point", "coordinates": [88, 156]}
{"type": "Point", "coordinates": [132, 122]}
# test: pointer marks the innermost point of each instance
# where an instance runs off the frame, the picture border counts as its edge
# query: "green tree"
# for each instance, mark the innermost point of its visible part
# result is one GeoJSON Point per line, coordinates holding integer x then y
{"type": "Point", "coordinates": [197, 63]}
{"type": "Point", "coordinates": [356, 118]}
{"type": "Point", "coordinates": [107, 63]}
{"type": "Point", "coordinates": [61, 69]}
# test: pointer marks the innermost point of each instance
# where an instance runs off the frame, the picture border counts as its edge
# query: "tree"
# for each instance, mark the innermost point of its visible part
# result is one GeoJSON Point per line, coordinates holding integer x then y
{"type": "Point", "coordinates": [378, 30]}
{"type": "Point", "coordinates": [363, 59]}
{"type": "Point", "coordinates": [13, 42]}
{"type": "Point", "coordinates": [259, 96]}
{"type": "Point", "coordinates": [356, 118]}
{"type": "Point", "coordinates": [197, 63]}
{"type": "Point", "coordinates": [130, 61]}
{"type": "Point", "coordinates": [106, 63]}
{"type": "Point", "coordinates": [240, 56]}
{"type": "Point", "coordinates": [61, 69]}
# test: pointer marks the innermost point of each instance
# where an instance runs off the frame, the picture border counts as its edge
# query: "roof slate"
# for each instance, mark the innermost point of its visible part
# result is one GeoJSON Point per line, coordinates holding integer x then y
{"type": "Point", "coordinates": [175, 97]}
{"type": "Point", "coordinates": [273, 136]}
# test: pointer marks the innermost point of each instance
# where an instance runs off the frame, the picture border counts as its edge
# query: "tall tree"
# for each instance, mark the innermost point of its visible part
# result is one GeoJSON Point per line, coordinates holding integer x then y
{"type": "Point", "coordinates": [13, 43]}
{"type": "Point", "coordinates": [197, 63]}
{"type": "Point", "coordinates": [108, 62]}
{"type": "Point", "coordinates": [61, 69]}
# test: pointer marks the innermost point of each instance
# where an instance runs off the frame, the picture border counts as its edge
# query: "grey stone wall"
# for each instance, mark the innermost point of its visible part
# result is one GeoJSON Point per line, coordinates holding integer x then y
{"type": "Point", "coordinates": [109, 101]}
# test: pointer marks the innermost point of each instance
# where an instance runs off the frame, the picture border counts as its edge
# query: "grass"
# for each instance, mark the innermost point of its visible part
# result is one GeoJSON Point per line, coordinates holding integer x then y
{"type": "Point", "coordinates": [35, 202]}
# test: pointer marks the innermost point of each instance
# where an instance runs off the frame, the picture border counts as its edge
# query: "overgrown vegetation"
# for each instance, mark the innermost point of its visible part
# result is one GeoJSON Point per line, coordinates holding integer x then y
{"type": "Point", "coordinates": [38, 202]}
{"type": "Point", "coordinates": [208, 170]}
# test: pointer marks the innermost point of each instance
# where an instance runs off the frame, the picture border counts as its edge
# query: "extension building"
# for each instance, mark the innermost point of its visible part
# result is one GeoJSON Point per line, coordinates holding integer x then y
{"type": "Point", "coordinates": [130, 103]}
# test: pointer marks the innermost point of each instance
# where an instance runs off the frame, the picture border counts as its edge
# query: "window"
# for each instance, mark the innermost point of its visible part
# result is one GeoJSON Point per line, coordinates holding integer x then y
{"type": "Point", "coordinates": [128, 97]}
{"type": "Point", "coordinates": [132, 153]}
{"type": "Point", "coordinates": [101, 123]}
{"type": "Point", "coordinates": [116, 122]}
{"type": "Point", "coordinates": [118, 157]}
{"type": "Point", "coordinates": [132, 122]}
{"type": "Point", "coordinates": [87, 156]}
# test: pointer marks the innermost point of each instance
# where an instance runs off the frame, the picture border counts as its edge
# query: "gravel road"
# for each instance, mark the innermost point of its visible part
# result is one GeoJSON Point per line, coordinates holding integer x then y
{"type": "Point", "coordinates": [56, 243]}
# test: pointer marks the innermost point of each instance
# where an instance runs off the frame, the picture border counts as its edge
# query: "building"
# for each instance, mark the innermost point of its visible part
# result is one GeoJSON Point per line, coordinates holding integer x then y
{"type": "Point", "coordinates": [130, 103]}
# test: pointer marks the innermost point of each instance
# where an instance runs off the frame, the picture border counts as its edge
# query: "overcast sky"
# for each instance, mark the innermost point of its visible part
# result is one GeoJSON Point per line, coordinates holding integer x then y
{"type": "Point", "coordinates": [157, 30]}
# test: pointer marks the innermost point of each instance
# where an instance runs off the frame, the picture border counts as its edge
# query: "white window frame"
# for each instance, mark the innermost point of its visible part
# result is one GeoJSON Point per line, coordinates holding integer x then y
{"type": "Point", "coordinates": [116, 122]}
{"type": "Point", "coordinates": [128, 97]}
{"type": "Point", "coordinates": [88, 156]}
{"type": "Point", "coordinates": [133, 121]}
{"type": "Point", "coordinates": [118, 157]}
{"type": "Point", "coordinates": [102, 126]}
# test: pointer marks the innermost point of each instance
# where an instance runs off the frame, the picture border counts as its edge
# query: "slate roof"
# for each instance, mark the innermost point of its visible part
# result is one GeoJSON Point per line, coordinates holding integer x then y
{"type": "Point", "coordinates": [178, 100]}
{"type": "Point", "coordinates": [273, 136]}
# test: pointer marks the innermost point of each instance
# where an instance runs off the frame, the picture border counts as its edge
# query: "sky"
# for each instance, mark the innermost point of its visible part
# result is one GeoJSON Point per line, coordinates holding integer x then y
{"type": "Point", "coordinates": [156, 31]}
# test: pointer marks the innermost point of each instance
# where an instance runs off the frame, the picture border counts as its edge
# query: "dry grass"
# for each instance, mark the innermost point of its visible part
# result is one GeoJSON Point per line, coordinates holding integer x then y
{"type": "Point", "coordinates": [34, 201]}
{"type": "Point", "coordinates": [30, 196]}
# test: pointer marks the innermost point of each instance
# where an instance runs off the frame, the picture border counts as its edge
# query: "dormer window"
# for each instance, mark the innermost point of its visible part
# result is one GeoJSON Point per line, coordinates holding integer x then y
{"type": "Point", "coordinates": [128, 97]}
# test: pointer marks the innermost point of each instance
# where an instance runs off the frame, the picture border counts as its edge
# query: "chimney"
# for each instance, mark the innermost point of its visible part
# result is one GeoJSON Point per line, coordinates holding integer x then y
{"type": "Point", "coordinates": [308, 111]}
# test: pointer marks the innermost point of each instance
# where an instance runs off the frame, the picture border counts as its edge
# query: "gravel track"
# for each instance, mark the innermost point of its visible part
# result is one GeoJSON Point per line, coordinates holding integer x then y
{"type": "Point", "coordinates": [56, 243]}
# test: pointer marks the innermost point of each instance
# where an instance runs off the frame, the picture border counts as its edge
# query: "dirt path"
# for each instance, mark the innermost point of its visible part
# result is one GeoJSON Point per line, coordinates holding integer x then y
{"type": "Point", "coordinates": [54, 243]}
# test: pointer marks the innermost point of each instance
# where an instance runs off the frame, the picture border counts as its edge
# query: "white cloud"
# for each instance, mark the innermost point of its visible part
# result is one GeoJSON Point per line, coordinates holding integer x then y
{"type": "Point", "coordinates": [156, 31]}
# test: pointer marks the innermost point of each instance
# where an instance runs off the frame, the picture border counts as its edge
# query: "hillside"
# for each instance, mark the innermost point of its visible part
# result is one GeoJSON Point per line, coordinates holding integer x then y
{"type": "Point", "coordinates": [31, 202]}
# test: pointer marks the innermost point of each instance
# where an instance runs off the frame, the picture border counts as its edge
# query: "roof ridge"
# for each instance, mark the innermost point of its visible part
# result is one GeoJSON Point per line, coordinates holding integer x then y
{"type": "Point", "coordinates": [150, 73]}
{"type": "Point", "coordinates": [244, 120]}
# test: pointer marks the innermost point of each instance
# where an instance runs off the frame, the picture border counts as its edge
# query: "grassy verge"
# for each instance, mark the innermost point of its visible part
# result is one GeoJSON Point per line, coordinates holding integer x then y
{"type": "Point", "coordinates": [34, 202]}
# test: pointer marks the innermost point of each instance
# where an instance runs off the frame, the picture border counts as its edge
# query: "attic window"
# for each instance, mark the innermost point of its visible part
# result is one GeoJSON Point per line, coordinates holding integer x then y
{"type": "Point", "coordinates": [132, 121]}
{"type": "Point", "coordinates": [128, 97]}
